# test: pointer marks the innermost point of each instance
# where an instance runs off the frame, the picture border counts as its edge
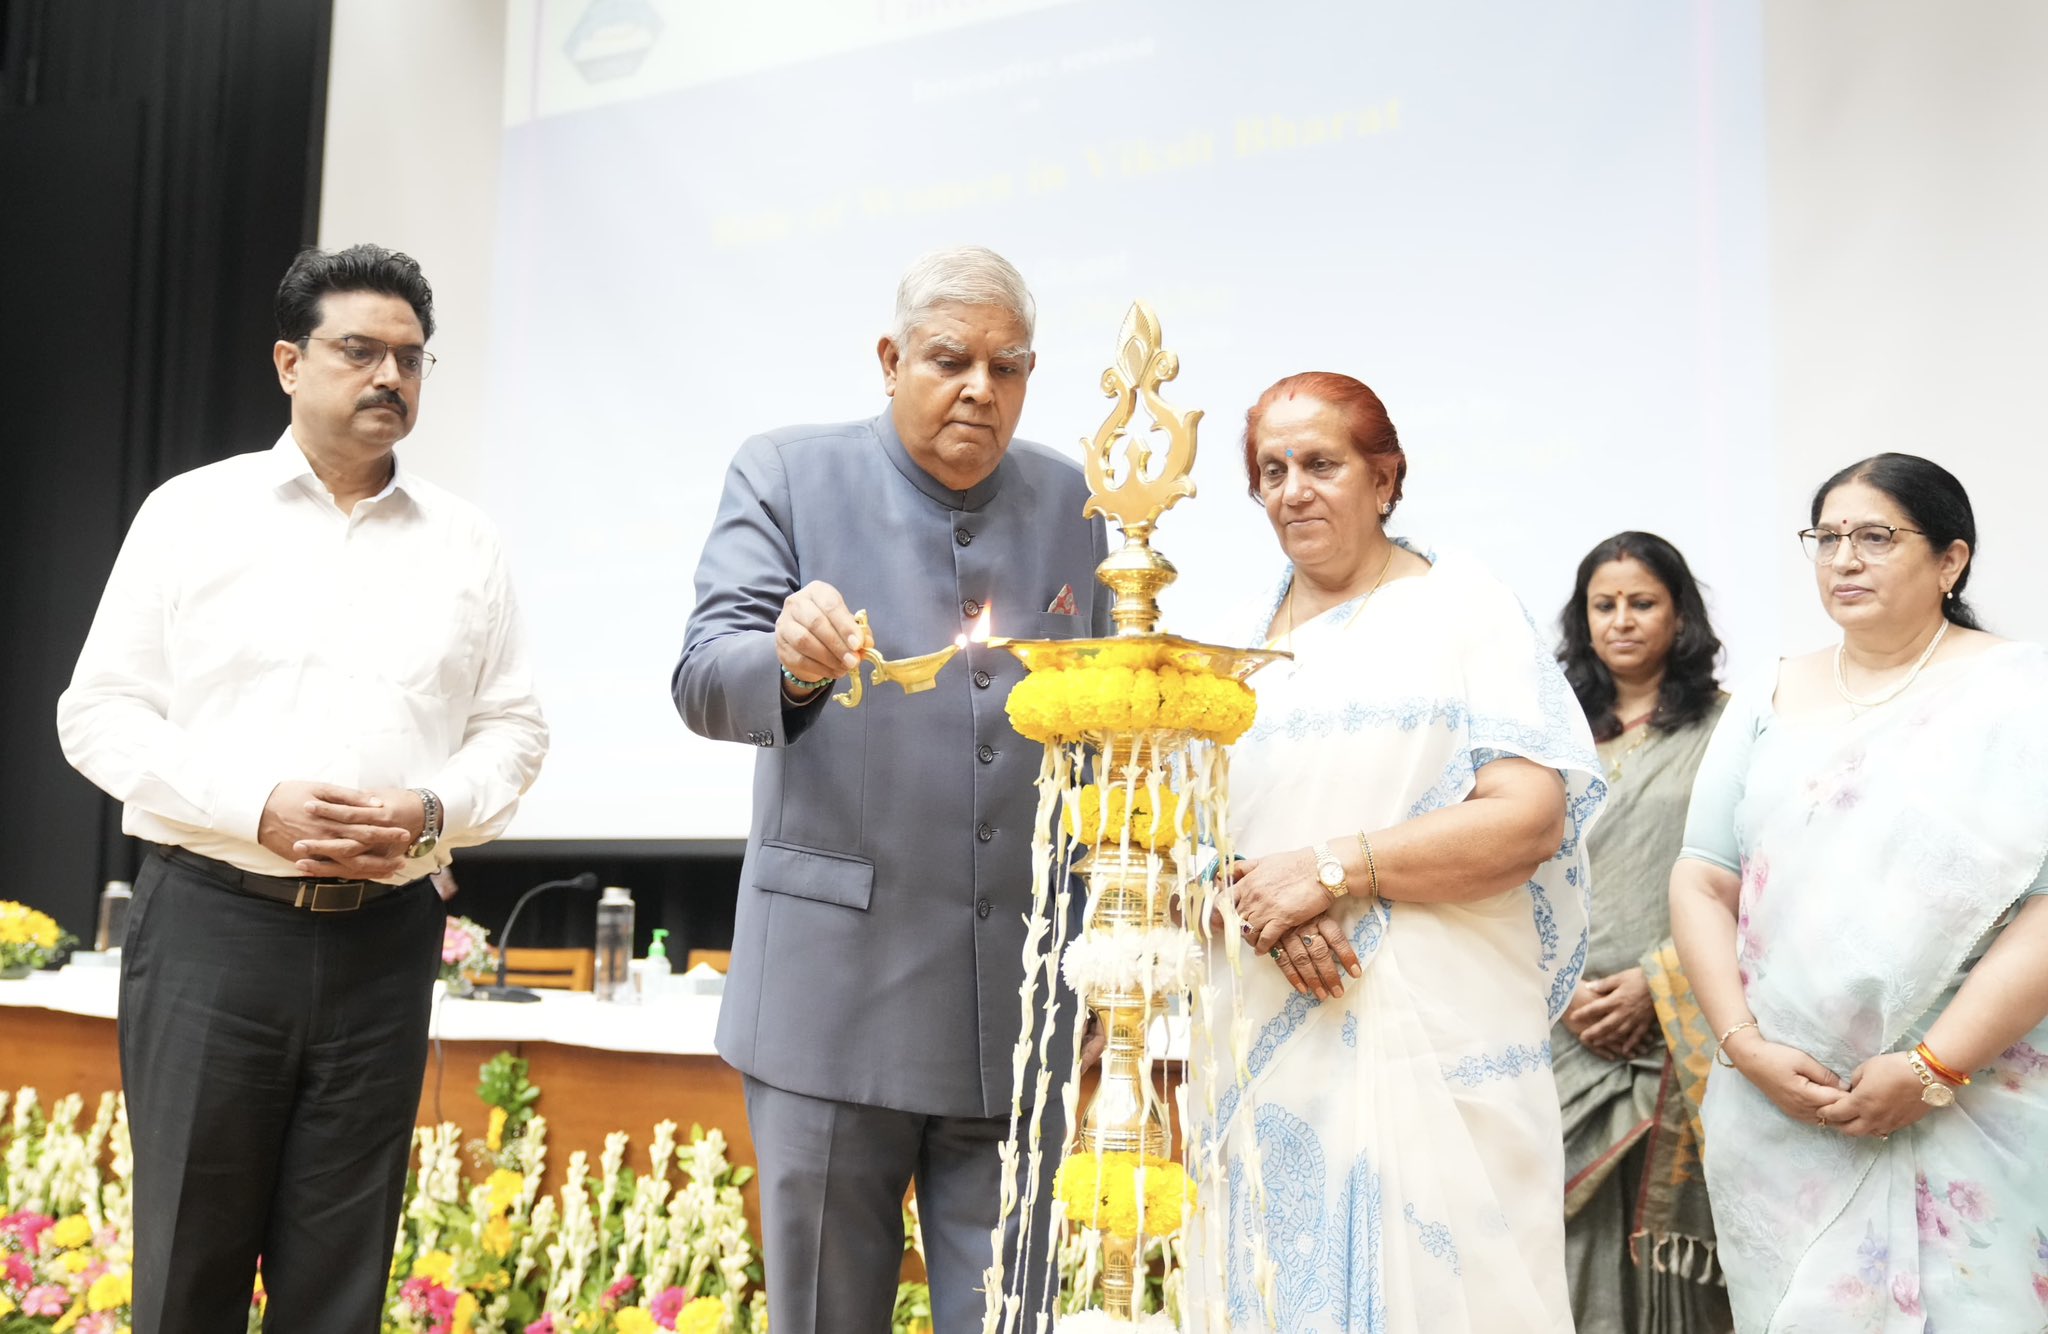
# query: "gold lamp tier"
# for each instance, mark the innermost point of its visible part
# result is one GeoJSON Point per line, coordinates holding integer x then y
{"type": "Point", "coordinates": [1151, 650]}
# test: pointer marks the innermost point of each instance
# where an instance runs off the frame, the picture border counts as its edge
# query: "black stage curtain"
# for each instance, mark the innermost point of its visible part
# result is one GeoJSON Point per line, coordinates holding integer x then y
{"type": "Point", "coordinates": [159, 166]}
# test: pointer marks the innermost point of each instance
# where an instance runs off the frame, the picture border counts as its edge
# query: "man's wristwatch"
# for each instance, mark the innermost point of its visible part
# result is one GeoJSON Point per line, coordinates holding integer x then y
{"type": "Point", "coordinates": [1932, 1091]}
{"type": "Point", "coordinates": [430, 826]}
{"type": "Point", "coordinates": [1329, 871]}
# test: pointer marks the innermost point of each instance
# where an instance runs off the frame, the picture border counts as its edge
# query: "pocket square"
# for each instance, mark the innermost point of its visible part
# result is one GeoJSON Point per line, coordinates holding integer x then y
{"type": "Point", "coordinates": [1063, 605]}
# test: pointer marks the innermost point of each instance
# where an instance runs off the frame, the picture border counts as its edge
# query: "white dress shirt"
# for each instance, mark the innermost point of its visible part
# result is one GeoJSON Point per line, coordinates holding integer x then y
{"type": "Point", "coordinates": [251, 634]}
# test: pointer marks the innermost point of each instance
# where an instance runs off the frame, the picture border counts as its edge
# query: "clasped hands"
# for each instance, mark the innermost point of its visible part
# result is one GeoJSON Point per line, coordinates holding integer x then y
{"type": "Point", "coordinates": [1612, 1016]}
{"type": "Point", "coordinates": [1881, 1096]}
{"type": "Point", "coordinates": [327, 830]}
{"type": "Point", "coordinates": [1286, 914]}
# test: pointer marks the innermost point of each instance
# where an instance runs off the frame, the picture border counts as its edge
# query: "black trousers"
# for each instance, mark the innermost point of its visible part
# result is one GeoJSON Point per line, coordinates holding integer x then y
{"type": "Point", "coordinates": [272, 1061]}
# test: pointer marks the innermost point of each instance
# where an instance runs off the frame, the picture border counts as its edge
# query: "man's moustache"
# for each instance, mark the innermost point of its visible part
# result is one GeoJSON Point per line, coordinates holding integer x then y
{"type": "Point", "coordinates": [384, 400]}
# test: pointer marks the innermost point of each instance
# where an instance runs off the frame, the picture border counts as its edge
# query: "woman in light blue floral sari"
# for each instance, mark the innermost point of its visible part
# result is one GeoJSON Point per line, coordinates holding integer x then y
{"type": "Point", "coordinates": [1859, 906]}
{"type": "Point", "coordinates": [1413, 797]}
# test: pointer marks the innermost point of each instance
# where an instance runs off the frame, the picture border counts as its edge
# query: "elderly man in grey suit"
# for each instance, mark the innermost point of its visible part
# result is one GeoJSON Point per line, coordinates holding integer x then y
{"type": "Point", "coordinates": [877, 950]}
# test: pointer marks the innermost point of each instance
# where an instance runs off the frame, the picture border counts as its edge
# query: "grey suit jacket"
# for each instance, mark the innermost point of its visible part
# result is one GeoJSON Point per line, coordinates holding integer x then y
{"type": "Point", "coordinates": [880, 927]}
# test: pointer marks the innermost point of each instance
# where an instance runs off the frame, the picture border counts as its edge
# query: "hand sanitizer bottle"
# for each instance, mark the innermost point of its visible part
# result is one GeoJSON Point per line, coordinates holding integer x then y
{"type": "Point", "coordinates": [657, 969]}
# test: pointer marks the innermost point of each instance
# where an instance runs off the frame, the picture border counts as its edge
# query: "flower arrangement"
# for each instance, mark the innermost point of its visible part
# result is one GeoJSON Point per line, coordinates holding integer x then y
{"type": "Point", "coordinates": [465, 952]}
{"type": "Point", "coordinates": [1105, 1191]}
{"type": "Point", "coordinates": [1092, 818]}
{"type": "Point", "coordinates": [29, 939]}
{"type": "Point", "coordinates": [1126, 690]}
{"type": "Point", "coordinates": [619, 1253]}
{"type": "Point", "coordinates": [64, 1250]}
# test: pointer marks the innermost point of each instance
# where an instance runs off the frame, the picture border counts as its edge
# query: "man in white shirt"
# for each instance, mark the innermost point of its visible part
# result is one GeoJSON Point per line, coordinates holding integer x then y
{"type": "Point", "coordinates": [306, 683]}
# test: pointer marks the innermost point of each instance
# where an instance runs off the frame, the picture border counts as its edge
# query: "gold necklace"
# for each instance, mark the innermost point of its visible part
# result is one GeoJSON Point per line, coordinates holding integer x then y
{"type": "Point", "coordinates": [1293, 583]}
{"type": "Point", "coordinates": [1858, 703]}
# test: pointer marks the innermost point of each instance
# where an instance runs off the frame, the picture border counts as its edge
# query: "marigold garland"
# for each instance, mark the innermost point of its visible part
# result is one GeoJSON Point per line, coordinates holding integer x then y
{"type": "Point", "coordinates": [1149, 830]}
{"type": "Point", "coordinates": [1053, 705]}
{"type": "Point", "coordinates": [1100, 1190]}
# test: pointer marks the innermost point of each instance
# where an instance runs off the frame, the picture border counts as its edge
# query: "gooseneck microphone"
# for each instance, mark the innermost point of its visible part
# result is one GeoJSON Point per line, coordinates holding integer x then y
{"type": "Point", "coordinates": [501, 992]}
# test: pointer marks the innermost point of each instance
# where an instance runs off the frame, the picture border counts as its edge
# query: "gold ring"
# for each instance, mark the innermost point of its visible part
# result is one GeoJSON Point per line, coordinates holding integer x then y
{"type": "Point", "coordinates": [1820, 1118]}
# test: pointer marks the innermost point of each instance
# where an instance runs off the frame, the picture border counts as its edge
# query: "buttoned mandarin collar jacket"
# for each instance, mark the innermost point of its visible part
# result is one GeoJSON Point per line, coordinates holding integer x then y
{"type": "Point", "coordinates": [878, 939]}
{"type": "Point", "coordinates": [251, 633]}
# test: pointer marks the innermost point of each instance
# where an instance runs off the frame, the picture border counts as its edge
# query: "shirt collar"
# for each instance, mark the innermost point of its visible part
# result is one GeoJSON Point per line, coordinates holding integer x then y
{"type": "Point", "coordinates": [286, 465]}
{"type": "Point", "coordinates": [973, 498]}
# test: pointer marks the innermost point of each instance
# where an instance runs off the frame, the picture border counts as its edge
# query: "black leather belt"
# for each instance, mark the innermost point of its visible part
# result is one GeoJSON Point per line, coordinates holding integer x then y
{"type": "Point", "coordinates": [314, 895]}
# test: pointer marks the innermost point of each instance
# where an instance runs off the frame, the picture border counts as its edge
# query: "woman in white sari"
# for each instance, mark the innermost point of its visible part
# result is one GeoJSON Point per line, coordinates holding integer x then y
{"type": "Point", "coordinates": [1414, 798]}
{"type": "Point", "coordinates": [1859, 907]}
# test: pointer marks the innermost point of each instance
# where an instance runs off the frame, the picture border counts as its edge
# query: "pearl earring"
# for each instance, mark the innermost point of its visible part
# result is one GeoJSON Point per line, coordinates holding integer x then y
{"type": "Point", "coordinates": [1385, 509]}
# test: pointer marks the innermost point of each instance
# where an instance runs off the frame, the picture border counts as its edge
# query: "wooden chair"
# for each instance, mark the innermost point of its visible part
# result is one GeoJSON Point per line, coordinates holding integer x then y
{"type": "Point", "coordinates": [719, 959]}
{"type": "Point", "coordinates": [551, 970]}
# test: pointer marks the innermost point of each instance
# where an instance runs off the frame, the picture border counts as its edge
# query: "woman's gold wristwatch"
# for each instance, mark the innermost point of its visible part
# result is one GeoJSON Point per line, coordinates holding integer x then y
{"type": "Point", "coordinates": [1329, 871]}
{"type": "Point", "coordinates": [1932, 1091]}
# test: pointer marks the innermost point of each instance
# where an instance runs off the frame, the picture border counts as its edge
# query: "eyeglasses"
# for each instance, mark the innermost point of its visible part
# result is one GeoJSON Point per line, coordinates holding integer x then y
{"type": "Point", "coordinates": [366, 353]}
{"type": "Point", "coordinates": [1872, 542]}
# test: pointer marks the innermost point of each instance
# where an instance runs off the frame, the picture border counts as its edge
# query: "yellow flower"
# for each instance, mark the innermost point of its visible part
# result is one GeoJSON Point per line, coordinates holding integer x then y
{"type": "Point", "coordinates": [1101, 1191]}
{"type": "Point", "coordinates": [6, 1305]}
{"type": "Point", "coordinates": [73, 1231]}
{"type": "Point", "coordinates": [705, 1315]}
{"type": "Point", "coordinates": [436, 1265]}
{"type": "Point", "coordinates": [1110, 695]}
{"type": "Point", "coordinates": [75, 1262]}
{"type": "Point", "coordinates": [466, 1312]}
{"type": "Point", "coordinates": [1086, 824]}
{"type": "Point", "coordinates": [498, 1236]}
{"type": "Point", "coordinates": [635, 1320]}
{"type": "Point", "coordinates": [505, 1186]}
{"type": "Point", "coordinates": [69, 1318]}
{"type": "Point", "coordinates": [109, 1291]}
{"type": "Point", "coordinates": [494, 1133]}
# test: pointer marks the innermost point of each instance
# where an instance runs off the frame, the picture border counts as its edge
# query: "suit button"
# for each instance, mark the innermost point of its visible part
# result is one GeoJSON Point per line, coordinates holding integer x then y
{"type": "Point", "coordinates": [986, 754]}
{"type": "Point", "coordinates": [982, 679]}
{"type": "Point", "coordinates": [985, 832]}
{"type": "Point", "coordinates": [982, 907]}
{"type": "Point", "coordinates": [970, 609]}
{"type": "Point", "coordinates": [962, 536]}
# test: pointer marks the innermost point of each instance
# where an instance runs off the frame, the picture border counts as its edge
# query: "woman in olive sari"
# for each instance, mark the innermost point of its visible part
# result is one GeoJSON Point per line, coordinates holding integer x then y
{"type": "Point", "coordinates": [1639, 652]}
{"type": "Point", "coordinates": [1862, 909]}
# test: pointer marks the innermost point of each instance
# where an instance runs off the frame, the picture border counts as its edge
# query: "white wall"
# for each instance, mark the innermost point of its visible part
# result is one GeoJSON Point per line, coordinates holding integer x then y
{"type": "Point", "coordinates": [414, 122]}
{"type": "Point", "coordinates": [1909, 207]}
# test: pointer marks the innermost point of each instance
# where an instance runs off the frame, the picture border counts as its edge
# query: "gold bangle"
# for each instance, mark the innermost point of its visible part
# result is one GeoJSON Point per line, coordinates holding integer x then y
{"type": "Point", "coordinates": [1721, 1043]}
{"type": "Point", "coordinates": [1372, 869]}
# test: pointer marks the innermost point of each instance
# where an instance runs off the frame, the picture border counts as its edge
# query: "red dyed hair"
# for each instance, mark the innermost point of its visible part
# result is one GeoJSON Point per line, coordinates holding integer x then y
{"type": "Point", "coordinates": [1365, 421]}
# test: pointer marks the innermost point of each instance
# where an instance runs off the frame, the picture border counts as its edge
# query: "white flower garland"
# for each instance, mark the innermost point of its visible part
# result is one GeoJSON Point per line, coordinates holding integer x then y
{"type": "Point", "coordinates": [1152, 961]}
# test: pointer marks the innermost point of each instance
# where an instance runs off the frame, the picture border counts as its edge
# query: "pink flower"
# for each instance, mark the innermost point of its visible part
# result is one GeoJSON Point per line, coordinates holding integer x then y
{"type": "Point", "coordinates": [1935, 1223]}
{"type": "Point", "coordinates": [415, 1294]}
{"type": "Point", "coordinates": [665, 1307]}
{"type": "Point", "coordinates": [619, 1291]}
{"type": "Point", "coordinates": [48, 1299]}
{"type": "Point", "coordinates": [28, 1228]}
{"type": "Point", "coordinates": [1967, 1199]}
{"type": "Point", "coordinates": [18, 1272]}
{"type": "Point", "coordinates": [544, 1325]}
{"type": "Point", "coordinates": [1906, 1293]}
{"type": "Point", "coordinates": [2040, 1289]}
{"type": "Point", "coordinates": [99, 1322]}
{"type": "Point", "coordinates": [454, 942]}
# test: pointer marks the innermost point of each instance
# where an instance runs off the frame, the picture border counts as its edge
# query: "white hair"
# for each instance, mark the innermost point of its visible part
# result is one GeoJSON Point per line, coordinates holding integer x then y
{"type": "Point", "coordinates": [964, 276]}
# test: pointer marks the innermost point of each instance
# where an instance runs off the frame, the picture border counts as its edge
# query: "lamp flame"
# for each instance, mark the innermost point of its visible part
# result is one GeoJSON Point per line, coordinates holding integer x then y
{"type": "Point", "coordinates": [980, 633]}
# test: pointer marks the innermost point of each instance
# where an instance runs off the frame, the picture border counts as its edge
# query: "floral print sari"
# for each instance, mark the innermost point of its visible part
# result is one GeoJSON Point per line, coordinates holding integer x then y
{"type": "Point", "coordinates": [1879, 858]}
